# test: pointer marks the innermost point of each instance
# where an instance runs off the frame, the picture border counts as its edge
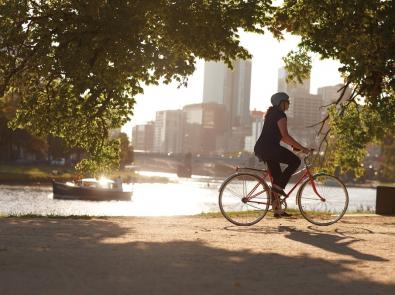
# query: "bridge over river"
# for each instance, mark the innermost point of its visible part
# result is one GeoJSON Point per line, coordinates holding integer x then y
{"type": "Point", "coordinates": [201, 164]}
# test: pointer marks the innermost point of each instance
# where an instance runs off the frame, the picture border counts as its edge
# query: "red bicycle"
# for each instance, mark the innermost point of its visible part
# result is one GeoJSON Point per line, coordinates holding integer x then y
{"type": "Point", "coordinates": [245, 196]}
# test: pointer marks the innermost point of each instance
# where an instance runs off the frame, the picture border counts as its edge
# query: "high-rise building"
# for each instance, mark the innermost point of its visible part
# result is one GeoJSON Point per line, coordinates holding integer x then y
{"type": "Point", "coordinates": [256, 129]}
{"type": "Point", "coordinates": [304, 108]}
{"type": "Point", "coordinates": [230, 87]}
{"type": "Point", "coordinates": [203, 123]}
{"type": "Point", "coordinates": [305, 114]}
{"type": "Point", "coordinates": [143, 137]}
{"type": "Point", "coordinates": [192, 129]}
{"type": "Point", "coordinates": [330, 94]}
{"type": "Point", "coordinates": [215, 77]}
{"type": "Point", "coordinates": [292, 88]}
{"type": "Point", "coordinates": [241, 92]}
{"type": "Point", "coordinates": [168, 131]}
{"type": "Point", "coordinates": [304, 111]}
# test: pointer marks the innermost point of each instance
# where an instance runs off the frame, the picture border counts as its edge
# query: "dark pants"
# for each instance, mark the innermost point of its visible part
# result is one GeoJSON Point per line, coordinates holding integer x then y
{"type": "Point", "coordinates": [276, 155]}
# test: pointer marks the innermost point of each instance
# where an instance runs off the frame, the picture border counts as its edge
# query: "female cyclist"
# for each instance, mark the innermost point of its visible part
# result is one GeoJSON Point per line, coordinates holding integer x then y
{"type": "Point", "coordinates": [268, 148]}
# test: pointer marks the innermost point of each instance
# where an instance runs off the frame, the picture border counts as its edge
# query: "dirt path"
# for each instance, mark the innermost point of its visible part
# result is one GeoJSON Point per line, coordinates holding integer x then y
{"type": "Point", "coordinates": [196, 255]}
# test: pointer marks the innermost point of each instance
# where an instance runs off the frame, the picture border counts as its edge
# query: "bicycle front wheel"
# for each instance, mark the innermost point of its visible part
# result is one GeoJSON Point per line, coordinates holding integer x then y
{"type": "Point", "coordinates": [323, 201]}
{"type": "Point", "coordinates": [244, 199]}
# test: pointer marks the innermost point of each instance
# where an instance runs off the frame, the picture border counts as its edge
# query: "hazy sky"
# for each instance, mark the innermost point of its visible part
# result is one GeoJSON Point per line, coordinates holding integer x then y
{"type": "Point", "coordinates": [267, 59]}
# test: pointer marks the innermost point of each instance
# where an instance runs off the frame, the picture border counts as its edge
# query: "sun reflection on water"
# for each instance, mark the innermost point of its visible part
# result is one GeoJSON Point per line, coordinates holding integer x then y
{"type": "Point", "coordinates": [181, 196]}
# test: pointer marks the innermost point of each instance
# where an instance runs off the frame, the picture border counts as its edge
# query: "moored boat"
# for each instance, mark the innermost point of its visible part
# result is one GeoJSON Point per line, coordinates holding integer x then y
{"type": "Point", "coordinates": [90, 189]}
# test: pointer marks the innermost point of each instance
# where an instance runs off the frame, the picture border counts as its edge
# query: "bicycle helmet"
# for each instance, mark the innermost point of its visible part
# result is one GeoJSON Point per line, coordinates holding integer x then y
{"type": "Point", "coordinates": [278, 97]}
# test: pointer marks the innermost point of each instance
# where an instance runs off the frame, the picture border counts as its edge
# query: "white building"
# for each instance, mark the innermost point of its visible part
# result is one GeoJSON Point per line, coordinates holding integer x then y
{"type": "Point", "coordinates": [304, 111]}
{"type": "Point", "coordinates": [143, 137]}
{"type": "Point", "coordinates": [292, 88]}
{"type": "Point", "coordinates": [331, 94]}
{"type": "Point", "coordinates": [168, 131]}
{"type": "Point", "coordinates": [256, 130]}
{"type": "Point", "coordinates": [230, 87]}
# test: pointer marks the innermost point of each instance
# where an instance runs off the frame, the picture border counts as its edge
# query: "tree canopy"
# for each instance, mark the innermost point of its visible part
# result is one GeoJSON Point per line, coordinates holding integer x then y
{"type": "Point", "coordinates": [76, 66]}
{"type": "Point", "coordinates": [361, 36]}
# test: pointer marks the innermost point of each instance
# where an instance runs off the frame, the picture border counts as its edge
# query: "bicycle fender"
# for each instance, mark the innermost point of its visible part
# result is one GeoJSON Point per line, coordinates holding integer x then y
{"type": "Point", "coordinates": [235, 174]}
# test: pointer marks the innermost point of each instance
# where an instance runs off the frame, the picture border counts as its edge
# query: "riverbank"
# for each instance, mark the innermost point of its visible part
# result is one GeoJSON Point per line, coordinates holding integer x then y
{"type": "Point", "coordinates": [196, 255]}
{"type": "Point", "coordinates": [43, 175]}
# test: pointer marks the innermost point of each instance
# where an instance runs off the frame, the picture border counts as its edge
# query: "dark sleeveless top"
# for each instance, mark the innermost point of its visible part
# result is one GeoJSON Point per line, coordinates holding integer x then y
{"type": "Point", "coordinates": [271, 135]}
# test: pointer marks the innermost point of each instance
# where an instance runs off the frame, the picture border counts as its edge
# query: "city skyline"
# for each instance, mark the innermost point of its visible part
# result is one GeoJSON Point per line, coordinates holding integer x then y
{"type": "Point", "coordinates": [214, 127]}
{"type": "Point", "coordinates": [267, 59]}
{"type": "Point", "coordinates": [230, 88]}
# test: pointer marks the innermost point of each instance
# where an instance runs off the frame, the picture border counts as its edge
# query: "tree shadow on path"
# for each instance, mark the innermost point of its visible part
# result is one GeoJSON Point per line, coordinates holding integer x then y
{"type": "Point", "coordinates": [335, 243]}
{"type": "Point", "coordinates": [101, 257]}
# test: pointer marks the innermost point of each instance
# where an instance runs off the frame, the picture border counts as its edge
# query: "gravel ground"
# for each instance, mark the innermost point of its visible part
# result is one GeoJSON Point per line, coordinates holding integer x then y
{"type": "Point", "coordinates": [196, 255]}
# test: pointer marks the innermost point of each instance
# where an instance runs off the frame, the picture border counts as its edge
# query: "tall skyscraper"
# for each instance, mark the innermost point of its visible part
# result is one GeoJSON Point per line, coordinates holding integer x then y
{"type": "Point", "coordinates": [143, 137]}
{"type": "Point", "coordinates": [230, 88]}
{"type": "Point", "coordinates": [257, 125]}
{"type": "Point", "coordinates": [292, 88]}
{"type": "Point", "coordinates": [304, 110]}
{"type": "Point", "coordinates": [215, 77]}
{"type": "Point", "coordinates": [203, 123]}
{"type": "Point", "coordinates": [331, 94]}
{"type": "Point", "coordinates": [167, 135]}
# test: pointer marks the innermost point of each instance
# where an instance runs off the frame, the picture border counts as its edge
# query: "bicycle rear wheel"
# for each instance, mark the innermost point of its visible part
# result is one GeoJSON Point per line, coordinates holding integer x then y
{"type": "Point", "coordinates": [331, 207]}
{"type": "Point", "coordinates": [244, 199]}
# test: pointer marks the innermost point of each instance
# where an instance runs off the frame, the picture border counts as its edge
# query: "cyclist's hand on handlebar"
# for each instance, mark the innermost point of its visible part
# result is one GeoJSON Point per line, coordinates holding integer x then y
{"type": "Point", "coordinates": [303, 150]}
{"type": "Point", "coordinates": [295, 149]}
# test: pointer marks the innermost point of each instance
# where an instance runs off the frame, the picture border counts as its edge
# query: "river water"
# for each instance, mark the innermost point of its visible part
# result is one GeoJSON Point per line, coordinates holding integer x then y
{"type": "Point", "coordinates": [180, 196]}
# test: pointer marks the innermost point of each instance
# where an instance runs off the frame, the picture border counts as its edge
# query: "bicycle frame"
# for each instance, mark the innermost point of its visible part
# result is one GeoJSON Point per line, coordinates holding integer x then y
{"type": "Point", "coordinates": [306, 175]}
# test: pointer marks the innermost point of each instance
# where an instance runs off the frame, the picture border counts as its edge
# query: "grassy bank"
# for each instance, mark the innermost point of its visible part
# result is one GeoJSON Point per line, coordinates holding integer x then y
{"type": "Point", "coordinates": [25, 175]}
{"type": "Point", "coordinates": [10, 174]}
{"type": "Point", "coordinates": [293, 211]}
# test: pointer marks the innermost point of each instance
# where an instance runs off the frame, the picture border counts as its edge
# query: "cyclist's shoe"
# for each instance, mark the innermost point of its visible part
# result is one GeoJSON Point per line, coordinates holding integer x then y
{"type": "Point", "coordinates": [277, 215]}
{"type": "Point", "coordinates": [279, 191]}
{"type": "Point", "coordinates": [282, 214]}
{"type": "Point", "coordinates": [285, 214]}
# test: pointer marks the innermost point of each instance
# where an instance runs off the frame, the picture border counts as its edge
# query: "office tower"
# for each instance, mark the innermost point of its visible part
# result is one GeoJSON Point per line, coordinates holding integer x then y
{"type": "Point", "coordinates": [143, 137]}
{"type": "Point", "coordinates": [230, 87]}
{"type": "Point", "coordinates": [215, 77]}
{"type": "Point", "coordinates": [168, 131]}
{"type": "Point", "coordinates": [292, 88]}
{"type": "Point", "coordinates": [256, 129]}
{"type": "Point", "coordinates": [330, 94]}
{"type": "Point", "coordinates": [192, 128]}
{"type": "Point", "coordinates": [202, 124]}
{"type": "Point", "coordinates": [304, 110]}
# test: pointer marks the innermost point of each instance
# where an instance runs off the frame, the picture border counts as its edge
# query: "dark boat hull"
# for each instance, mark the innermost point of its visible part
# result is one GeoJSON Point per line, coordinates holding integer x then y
{"type": "Point", "coordinates": [63, 191]}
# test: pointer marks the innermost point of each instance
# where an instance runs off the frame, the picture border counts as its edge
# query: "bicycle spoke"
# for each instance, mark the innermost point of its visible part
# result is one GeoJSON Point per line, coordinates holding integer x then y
{"type": "Point", "coordinates": [244, 199]}
{"type": "Point", "coordinates": [240, 196]}
{"type": "Point", "coordinates": [329, 210]}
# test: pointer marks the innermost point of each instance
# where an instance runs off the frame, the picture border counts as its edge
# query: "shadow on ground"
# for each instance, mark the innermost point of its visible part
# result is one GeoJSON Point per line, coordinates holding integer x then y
{"type": "Point", "coordinates": [45, 256]}
{"type": "Point", "coordinates": [335, 243]}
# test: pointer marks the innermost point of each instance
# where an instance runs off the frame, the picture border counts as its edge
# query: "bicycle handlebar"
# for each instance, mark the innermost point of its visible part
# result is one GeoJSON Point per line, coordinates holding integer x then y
{"type": "Point", "coordinates": [306, 156]}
